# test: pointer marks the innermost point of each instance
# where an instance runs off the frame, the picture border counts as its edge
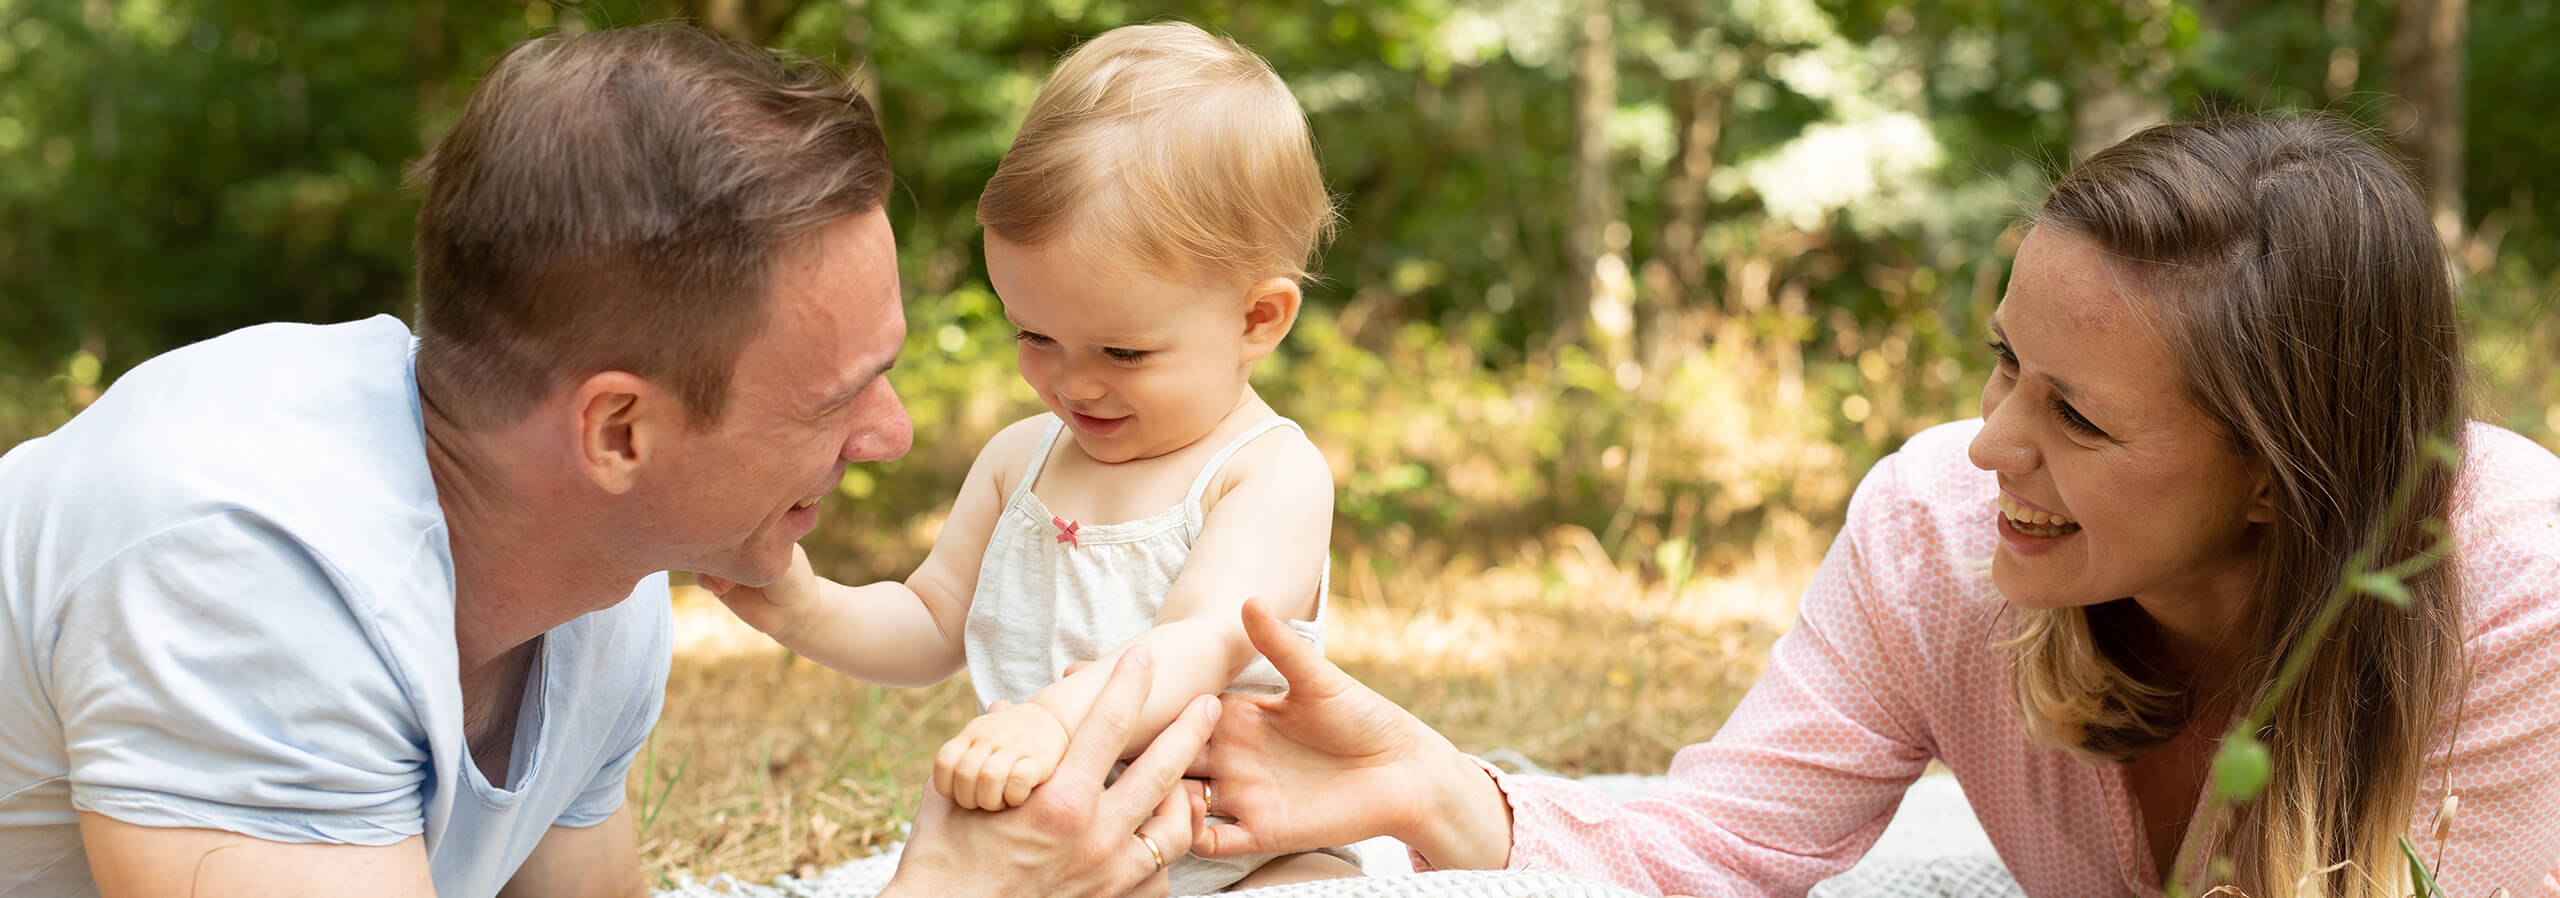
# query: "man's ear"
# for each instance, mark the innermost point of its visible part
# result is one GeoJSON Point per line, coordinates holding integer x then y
{"type": "Point", "coordinates": [1270, 308]}
{"type": "Point", "coordinates": [622, 420]}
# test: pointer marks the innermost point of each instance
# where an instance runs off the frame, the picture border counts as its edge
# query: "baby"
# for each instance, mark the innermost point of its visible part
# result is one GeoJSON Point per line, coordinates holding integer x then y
{"type": "Point", "coordinates": [1147, 232]}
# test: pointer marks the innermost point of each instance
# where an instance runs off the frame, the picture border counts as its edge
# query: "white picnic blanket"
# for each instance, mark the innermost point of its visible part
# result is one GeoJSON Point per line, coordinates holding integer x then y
{"type": "Point", "coordinates": [1933, 847]}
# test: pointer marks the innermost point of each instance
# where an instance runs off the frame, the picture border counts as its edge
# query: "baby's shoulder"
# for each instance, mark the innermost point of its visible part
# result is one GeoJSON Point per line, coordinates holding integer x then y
{"type": "Point", "coordinates": [1282, 457]}
{"type": "Point", "coordinates": [1008, 453]}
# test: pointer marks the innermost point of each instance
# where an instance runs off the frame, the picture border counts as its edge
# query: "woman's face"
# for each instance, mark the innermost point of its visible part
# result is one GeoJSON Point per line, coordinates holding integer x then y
{"type": "Point", "coordinates": [2112, 483]}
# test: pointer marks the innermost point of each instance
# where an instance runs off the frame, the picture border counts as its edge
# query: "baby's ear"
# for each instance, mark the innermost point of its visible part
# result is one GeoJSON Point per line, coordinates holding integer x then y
{"type": "Point", "coordinates": [1270, 308]}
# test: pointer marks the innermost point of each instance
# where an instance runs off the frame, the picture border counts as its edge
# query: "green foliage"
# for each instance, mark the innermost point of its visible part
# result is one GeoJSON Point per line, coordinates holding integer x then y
{"type": "Point", "coordinates": [1809, 217]}
{"type": "Point", "coordinates": [2241, 768]}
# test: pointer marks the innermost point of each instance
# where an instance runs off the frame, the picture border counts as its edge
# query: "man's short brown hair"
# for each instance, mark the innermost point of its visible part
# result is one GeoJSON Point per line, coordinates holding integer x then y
{"type": "Point", "coordinates": [614, 201]}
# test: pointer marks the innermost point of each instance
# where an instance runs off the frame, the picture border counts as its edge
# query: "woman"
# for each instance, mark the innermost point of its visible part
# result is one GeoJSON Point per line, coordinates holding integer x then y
{"type": "Point", "coordinates": [2222, 345]}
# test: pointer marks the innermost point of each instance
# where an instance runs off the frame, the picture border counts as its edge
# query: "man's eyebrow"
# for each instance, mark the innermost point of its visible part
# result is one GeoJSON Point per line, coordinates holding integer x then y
{"type": "Point", "coordinates": [845, 396]}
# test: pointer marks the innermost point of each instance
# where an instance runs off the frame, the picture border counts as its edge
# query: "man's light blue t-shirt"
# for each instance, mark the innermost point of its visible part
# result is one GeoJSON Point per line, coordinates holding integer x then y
{"type": "Point", "coordinates": [226, 601]}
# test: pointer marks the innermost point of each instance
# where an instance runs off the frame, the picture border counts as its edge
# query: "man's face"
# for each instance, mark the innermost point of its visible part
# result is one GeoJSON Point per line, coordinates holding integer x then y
{"type": "Point", "coordinates": [810, 396]}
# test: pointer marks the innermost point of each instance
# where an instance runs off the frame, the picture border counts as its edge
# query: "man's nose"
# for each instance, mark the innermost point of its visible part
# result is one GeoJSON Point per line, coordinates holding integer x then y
{"type": "Point", "coordinates": [881, 428]}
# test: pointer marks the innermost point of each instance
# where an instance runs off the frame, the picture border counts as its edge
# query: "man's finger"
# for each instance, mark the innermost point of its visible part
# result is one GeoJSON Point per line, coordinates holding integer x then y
{"type": "Point", "coordinates": [1098, 738]}
{"type": "Point", "coordinates": [1148, 783]}
{"type": "Point", "coordinates": [1309, 675]}
{"type": "Point", "coordinates": [1171, 824]}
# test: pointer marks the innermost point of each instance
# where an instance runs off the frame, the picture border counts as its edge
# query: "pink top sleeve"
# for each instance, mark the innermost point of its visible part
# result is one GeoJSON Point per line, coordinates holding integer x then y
{"type": "Point", "coordinates": [1800, 780]}
{"type": "Point", "coordinates": [1894, 661]}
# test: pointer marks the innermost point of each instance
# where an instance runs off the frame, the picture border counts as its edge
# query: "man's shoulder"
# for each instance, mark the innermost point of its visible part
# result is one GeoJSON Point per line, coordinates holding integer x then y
{"type": "Point", "coordinates": [311, 429]}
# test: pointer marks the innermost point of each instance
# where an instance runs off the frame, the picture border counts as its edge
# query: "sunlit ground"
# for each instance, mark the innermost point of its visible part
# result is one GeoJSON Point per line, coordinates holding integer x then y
{"type": "Point", "coordinates": [765, 764]}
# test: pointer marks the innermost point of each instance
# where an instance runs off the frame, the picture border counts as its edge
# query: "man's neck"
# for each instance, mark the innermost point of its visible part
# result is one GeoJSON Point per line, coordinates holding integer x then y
{"type": "Point", "coordinates": [524, 560]}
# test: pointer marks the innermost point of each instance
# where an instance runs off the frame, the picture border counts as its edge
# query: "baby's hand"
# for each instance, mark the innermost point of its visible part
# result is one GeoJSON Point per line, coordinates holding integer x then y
{"type": "Point", "coordinates": [997, 759]}
{"type": "Point", "coordinates": [776, 609]}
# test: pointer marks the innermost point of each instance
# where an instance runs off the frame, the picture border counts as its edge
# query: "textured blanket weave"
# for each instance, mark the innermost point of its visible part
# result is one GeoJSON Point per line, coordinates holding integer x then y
{"type": "Point", "coordinates": [864, 878]}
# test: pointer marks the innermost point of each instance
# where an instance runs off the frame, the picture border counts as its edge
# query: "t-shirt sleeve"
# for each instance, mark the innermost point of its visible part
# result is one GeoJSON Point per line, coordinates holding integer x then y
{"type": "Point", "coordinates": [1799, 781]}
{"type": "Point", "coordinates": [652, 623]}
{"type": "Point", "coordinates": [211, 675]}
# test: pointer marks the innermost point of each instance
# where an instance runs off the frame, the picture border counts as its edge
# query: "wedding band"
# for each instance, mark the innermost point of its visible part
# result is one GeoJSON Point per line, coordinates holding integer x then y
{"type": "Point", "coordinates": [1152, 850]}
{"type": "Point", "coordinates": [1209, 796]}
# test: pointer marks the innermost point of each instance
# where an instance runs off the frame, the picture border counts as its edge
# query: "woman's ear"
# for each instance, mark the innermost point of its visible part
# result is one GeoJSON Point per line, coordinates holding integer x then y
{"type": "Point", "coordinates": [2262, 493]}
{"type": "Point", "coordinates": [621, 421]}
{"type": "Point", "coordinates": [1270, 308]}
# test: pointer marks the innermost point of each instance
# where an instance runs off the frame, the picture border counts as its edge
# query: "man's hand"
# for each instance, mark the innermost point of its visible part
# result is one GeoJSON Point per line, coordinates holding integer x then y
{"type": "Point", "coordinates": [1073, 837]}
{"type": "Point", "coordinates": [998, 758]}
{"type": "Point", "coordinates": [776, 609]}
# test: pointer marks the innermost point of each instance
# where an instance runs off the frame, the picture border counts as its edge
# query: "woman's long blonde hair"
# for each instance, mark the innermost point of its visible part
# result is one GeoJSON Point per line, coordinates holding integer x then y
{"type": "Point", "coordinates": [2306, 295]}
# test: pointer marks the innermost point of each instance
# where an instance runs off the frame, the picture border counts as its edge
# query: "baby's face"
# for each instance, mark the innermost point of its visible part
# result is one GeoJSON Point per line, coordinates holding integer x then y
{"type": "Point", "coordinates": [1137, 366]}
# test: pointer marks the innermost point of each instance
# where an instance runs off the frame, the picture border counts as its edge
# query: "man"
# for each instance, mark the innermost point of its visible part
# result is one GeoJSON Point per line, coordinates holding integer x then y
{"type": "Point", "coordinates": [325, 610]}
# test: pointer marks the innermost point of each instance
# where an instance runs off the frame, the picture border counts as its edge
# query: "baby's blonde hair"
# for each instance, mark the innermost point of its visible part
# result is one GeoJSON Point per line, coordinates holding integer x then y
{"type": "Point", "coordinates": [1166, 146]}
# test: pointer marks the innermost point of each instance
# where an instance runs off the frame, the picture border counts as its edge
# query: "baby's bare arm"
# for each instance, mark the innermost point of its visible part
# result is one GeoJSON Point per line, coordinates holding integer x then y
{"type": "Point", "coordinates": [893, 633]}
{"type": "Point", "coordinates": [1266, 535]}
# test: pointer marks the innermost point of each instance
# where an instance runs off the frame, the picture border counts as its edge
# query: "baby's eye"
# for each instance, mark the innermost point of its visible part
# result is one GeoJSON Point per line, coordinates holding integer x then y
{"type": "Point", "coordinates": [1124, 355]}
{"type": "Point", "coordinates": [1022, 336]}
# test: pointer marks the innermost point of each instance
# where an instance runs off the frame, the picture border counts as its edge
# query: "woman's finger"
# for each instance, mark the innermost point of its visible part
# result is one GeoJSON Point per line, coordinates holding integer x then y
{"type": "Point", "coordinates": [1309, 675]}
{"type": "Point", "coordinates": [1226, 839]}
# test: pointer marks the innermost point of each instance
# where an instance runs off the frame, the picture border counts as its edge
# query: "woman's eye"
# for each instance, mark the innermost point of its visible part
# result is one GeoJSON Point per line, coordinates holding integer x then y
{"type": "Point", "coordinates": [1125, 355]}
{"type": "Point", "coordinates": [2000, 350]}
{"type": "Point", "coordinates": [2076, 422]}
{"type": "Point", "coordinates": [1030, 338]}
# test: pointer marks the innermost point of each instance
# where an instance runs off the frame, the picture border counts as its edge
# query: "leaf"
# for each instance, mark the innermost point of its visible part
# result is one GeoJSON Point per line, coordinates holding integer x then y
{"type": "Point", "coordinates": [2241, 768]}
{"type": "Point", "coordinates": [2385, 586]}
{"type": "Point", "coordinates": [2418, 874]}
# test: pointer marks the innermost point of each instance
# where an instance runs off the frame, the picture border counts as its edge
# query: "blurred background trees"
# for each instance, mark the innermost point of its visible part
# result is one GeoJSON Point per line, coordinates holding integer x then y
{"type": "Point", "coordinates": [1632, 292]}
{"type": "Point", "coordinates": [1660, 270]}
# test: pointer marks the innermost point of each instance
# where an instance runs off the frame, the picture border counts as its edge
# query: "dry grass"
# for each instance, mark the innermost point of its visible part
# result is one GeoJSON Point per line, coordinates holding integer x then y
{"type": "Point", "coordinates": [765, 764]}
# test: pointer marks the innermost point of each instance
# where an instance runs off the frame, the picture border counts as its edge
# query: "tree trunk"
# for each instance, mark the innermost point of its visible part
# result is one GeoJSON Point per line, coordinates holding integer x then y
{"type": "Point", "coordinates": [2426, 61]}
{"type": "Point", "coordinates": [2346, 59]}
{"type": "Point", "coordinates": [756, 22]}
{"type": "Point", "coordinates": [1595, 94]}
{"type": "Point", "coordinates": [2110, 107]}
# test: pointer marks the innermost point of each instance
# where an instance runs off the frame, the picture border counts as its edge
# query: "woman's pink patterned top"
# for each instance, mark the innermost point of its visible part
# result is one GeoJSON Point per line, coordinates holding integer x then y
{"type": "Point", "coordinates": [1892, 663]}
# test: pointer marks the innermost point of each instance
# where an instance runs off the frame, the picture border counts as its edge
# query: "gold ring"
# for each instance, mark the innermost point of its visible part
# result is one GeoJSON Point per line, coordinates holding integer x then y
{"type": "Point", "coordinates": [1209, 796]}
{"type": "Point", "coordinates": [1152, 850]}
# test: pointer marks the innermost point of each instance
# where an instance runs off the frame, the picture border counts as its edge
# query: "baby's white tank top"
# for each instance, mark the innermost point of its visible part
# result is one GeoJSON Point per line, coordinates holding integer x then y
{"type": "Point", "coordinates": [1047, 598]}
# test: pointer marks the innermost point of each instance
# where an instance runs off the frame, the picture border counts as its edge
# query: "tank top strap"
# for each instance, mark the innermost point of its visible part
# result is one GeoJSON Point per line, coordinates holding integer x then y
{"type": "Point", "coordinates": [1039, 459]}
{"type": "Point", "coordinates": [1200, 484]}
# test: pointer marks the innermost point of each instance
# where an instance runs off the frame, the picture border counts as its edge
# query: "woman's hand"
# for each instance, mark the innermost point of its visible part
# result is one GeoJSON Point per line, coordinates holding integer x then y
{"type": "Point", "coordinates": [1073, 837]}
{"type": "Point", "coordinates": [1332, 762]}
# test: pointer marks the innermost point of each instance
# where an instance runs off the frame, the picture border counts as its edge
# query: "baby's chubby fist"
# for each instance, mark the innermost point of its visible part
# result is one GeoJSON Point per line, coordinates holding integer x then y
{"type": "Point", "coordinates": [776, 609]}
{"type": "Point", "coordinates": [1001, 756]}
